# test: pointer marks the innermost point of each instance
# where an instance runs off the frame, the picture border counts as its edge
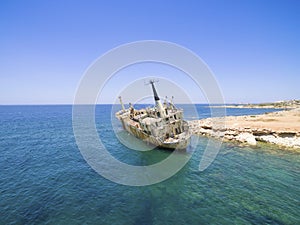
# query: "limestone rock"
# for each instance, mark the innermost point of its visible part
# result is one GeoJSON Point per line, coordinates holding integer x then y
{"type": "Point", "coordinates": [246, 137]}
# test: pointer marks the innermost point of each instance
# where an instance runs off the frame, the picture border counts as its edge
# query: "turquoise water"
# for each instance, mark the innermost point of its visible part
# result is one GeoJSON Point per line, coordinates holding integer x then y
{"type": "Point", "coordinates": [45, 180]}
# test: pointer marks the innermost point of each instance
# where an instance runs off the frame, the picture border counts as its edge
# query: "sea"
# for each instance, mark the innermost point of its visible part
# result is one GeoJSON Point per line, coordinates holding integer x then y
{"type": "Point", "coordinates": [45, 179]}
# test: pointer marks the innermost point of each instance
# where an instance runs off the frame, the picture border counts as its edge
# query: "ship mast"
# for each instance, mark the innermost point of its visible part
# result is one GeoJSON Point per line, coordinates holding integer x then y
{"type": "Point", "coordinates": [158, 104]}
{"type": "Point", "coordinates": [121, 102]}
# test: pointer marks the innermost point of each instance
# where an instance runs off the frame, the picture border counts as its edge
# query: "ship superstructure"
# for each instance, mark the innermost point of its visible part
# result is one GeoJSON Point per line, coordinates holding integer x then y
{"type": "Point", "coordinates": [161, 125]}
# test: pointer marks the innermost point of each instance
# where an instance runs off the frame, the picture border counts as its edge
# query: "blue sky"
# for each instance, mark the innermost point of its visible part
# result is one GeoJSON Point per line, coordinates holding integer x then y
{"type": "Point", "coordinates": [252, 47]}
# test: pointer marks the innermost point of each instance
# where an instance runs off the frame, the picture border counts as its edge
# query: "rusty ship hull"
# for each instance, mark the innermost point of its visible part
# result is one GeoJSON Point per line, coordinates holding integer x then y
{"type": "Point", "coordinates": [169, 143]}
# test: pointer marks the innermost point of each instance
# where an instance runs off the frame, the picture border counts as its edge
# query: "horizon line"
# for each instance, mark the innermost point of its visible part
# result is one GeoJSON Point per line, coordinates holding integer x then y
{"type": "Point", "coordinates": [180, 103]}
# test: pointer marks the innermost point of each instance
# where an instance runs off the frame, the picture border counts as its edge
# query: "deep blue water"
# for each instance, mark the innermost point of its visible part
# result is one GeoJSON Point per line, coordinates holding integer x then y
{"type": "Point", "coordinates": [45, 180]}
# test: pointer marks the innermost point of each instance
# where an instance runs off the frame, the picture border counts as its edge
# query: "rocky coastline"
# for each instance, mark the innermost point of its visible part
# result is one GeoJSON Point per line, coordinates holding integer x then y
{"type": "Point", "coordinates": [280, 128]}
{"type": "Point", "coordinates": [290, 104]}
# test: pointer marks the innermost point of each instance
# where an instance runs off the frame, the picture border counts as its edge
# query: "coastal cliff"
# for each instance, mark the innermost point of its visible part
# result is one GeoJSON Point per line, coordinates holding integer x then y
{"type": "Point", "coordinates": [281, 128]}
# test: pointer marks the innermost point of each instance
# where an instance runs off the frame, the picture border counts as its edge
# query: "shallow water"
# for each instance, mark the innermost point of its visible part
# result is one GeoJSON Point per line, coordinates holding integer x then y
{"type": "Point", "coordinates": [45, 180]}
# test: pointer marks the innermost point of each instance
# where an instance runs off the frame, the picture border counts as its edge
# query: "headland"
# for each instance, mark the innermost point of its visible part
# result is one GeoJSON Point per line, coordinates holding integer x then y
{"type": "Point", "coordinates": [281, 128]}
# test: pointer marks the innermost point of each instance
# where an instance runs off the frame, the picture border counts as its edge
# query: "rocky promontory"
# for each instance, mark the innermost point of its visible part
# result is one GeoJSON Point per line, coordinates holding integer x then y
{"type": "Point", "coordinates": [289, 104]}
{"type": "Point", "coordinates": [281, 128]}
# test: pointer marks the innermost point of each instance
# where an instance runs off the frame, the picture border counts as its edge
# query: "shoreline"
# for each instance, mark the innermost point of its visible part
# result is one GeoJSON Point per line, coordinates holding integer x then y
{"type": "Point", "coordinates": [290, 104]}
{"type": "Point", "coordinates": [254, 107]}
{"type": "Point", "coordinates": [281, 128]}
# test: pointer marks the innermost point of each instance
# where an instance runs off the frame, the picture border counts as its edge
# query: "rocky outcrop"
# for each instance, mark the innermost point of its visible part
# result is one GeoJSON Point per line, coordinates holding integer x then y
{"type": "Point", "coordinates": [246, 138]}
{"type": "Point", "coordinates": [280, 128]}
